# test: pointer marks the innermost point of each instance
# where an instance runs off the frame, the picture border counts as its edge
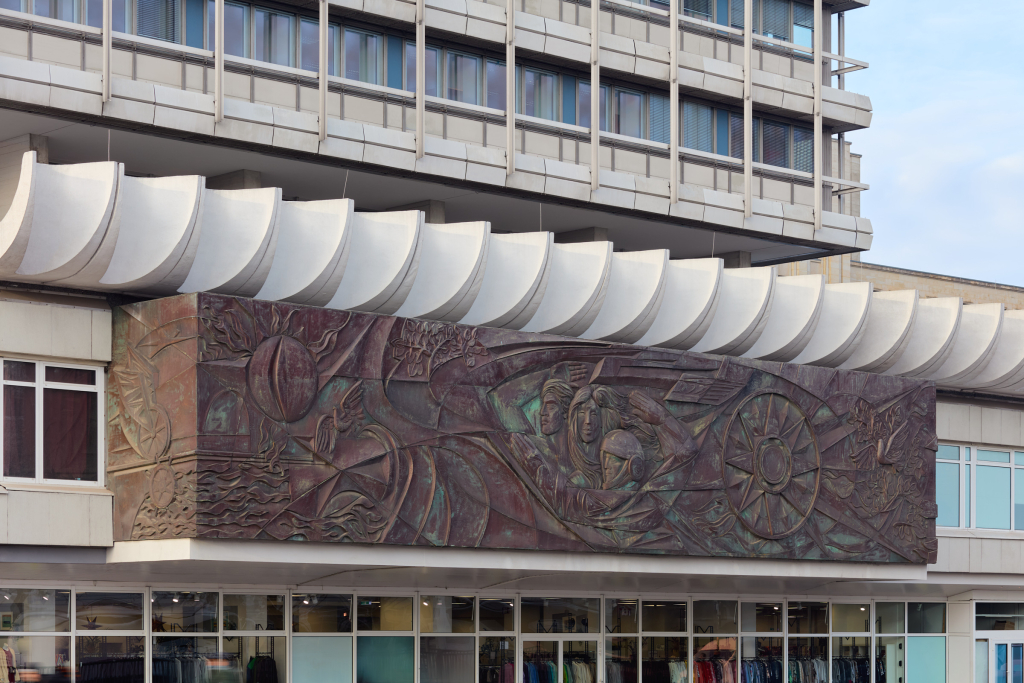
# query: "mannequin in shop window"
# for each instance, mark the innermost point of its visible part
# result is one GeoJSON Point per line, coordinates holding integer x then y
{"type": "Point", "coordinates": [9, 665]}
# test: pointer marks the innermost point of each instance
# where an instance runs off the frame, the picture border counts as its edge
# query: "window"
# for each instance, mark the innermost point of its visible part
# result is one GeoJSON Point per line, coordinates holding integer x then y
{"type": "Point", "coordinates": [236, 28]}
{"type": "Point", "coordinates": [65, 10]}
{"type": "Point", "coordinates": [274, 37]}
{"type": "Point", "coordinates": [786, 20]}
{"type": "Point", "coordinates": [121, 11]}
{"type": "Point", "coordinates": [983, 492]}
{"type": "Point", "coordinates": [697, 127]}
{"type": "Point", "coordinates": [159, 19]}
{"type": "Point", "coordinates": [463, 78]}
{"type": "Point", "coordinates": [51, 426]}
{"type": "Point", "coordinates": [629, 113]}
{"type": "Point", "coordinates": [432, 69]}
{"type": "Point", "coordinates": [537, 93]}
{"type": "Point", "coordinates": [364, 56]}
{"type": "Point", "coordinates": [583, 113]}
{"type": "Point", "coordinates": [496, 91]}
{"type": "Point", "coordinates": [699, 9]}
{"type": "Point", "coordinates": [660, 125]}
{"type": "Point", "coordinates": [309, 49]}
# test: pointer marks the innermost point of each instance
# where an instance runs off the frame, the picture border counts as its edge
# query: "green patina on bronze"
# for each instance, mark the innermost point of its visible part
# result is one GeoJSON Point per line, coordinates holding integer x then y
{"type": "Point", "coordinates": [234, 418]}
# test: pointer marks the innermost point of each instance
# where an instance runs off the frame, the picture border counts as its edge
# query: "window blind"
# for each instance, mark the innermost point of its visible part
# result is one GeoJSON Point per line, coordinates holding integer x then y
{"type": "Point", "coordinates": [660, 119]}
{"type": "Point", "coordinates": [159, 19]}
{"type": "Point", "coordinates": [776, 143]}
{"type": "Point", "coordinates": [737, 14]}
{"type": "Point", "coordinates": [776, 19]}
{"type": "Point", "coordinates": [803, 149]}
{"type": "Point", "coordinates": [803, 15]}
{"type": "Point", "coordinates": [736, 137]}
{"type": "Point", "coordinates": [698, 127]}
{"type": "Point", "coordinates": [701, 9]}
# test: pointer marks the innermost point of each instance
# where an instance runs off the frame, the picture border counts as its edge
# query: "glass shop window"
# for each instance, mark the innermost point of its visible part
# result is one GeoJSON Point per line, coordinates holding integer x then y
{"type": "Point", "coordinates": [665, 658]}
{"type": "Point", "coordinates": [890, 617]}
{"type": "Point", "coordinates": [463, 78]}
{"type": "Point", "coordinates": [999, 616]}
{"type": "Point", "coordinates": [35, 610]}
{"type": "Point", "coordinates": [808, 617]}
{"type": "Point", "coordinates": [258, 658]}
{"type": "Point", "coordinates": [620, 659]}
{"type": "Point", "coordinates": [561, 615]}
{"type": "Point", "coordinates": [447, 659]}
{"type": "Point", "coordinates": [496, 91]}
{"type": "Point", "coordinates": [538, 93]}
{"type": "Point", "coordinates": [926, 617]}
{"type": "Point", "coordinates": [321, 656]}
{"type": "Point", "coordinates": [385, 659]}
{"type": "Point", "coordinates": [275, 37]}
{"type": "Point", "coordinates": [309, 49]}
{"type": "Point", "coordinates": [37, 658]}
{"type": "Point", "coordinates": [432, 69]}
{"type": "Point", "coordinates": [364, 56]}
{"type": "Point", "coordinates": [712, 655]}
{"type": "Point", "coordinates": [890, 658]}
{"type": "Point", "coordinates": [105, 646]}
{"type": "Point", "coordinates": [184, 611]}
{"type": "Point", "coordinates": [51, 424]}
{"type": "Point", "coordinates": [497, 614]}
{"type": "Point", "coordinates": [254, 612]}
{"type": "Point", "coordinates": [714, 616]}
{"type": "Point", "coordinates": [447, 614]}
{"type": "Point", "coordinates": [384, 614]}
{"type": "Point", "coordinates": [762, 659]}
{"type": "Point", "coordinates": [583, 105]}
{"type": "Point", "coordinates": [851, 618]}
{"type": "Point", "coordinates": [236, 28]}
{"type": "Point", "coordinates": [761, 617]}
{"type": "Point", "coordinates": [664, 616]}
{"type": "Point", "coordinates": [497, 658]}
{"type": "Point", "coordinates": [851, 658]}
{"type": "Point", "coordinates": [620, 615]}
{"type": "Point", "coordinates": [321, 613]}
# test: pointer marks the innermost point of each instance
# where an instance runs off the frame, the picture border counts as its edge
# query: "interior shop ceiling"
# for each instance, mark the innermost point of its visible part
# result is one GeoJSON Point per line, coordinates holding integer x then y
{"type": "Point", "coordinates": [71, 142]}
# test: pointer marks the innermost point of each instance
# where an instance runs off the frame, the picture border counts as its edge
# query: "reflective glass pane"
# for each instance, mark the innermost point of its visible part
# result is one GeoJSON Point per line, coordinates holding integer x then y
{"type": "Point", "coordinates": [180, 647]}
{"type": "Point", "coordinates": [253, 612]}
{"type": "Point", "coordinates": [665, 659]}
{"type": "Point", "coordinates": [309, 45]}
{"type": "Point", "coordinates": [620, 660]}
{"type": "Point", "coordinates": [762, 660]}
{"type": "Point", "coordinates": [851, 618]}
{"type": "Point", "coordinates": [111, 658]}
{"type": "Point", "coordinates": [629, 113]}
{"type": "Point", "coordinates": [808, 617]}
{"type": "Point", "coordinates": [808, 659]}
{"type": "Point", "coordinates": [496, 92]}
{"type": "Point", "coordinates": [776, 144]}
{"type": "Point", "coordinates": [540, 661]}
{"type": "Point", "coordinates": [236, 28]}
{"type": "Point", "coordinates": [183, 611]}
{"type": "Point", "coordinates": [384, 659]}
{"type": "Point", "coordinates": [851, 659]}
{"type": "Point", "coordinates": [19, 371]}
{"type": "Point", "coordinates": [1018, 458]}
{"type": "Point", "coordinates": [620, 615]}
{"type": "Point", "coordinates": [497, 659]}
{"type": "Point", "coordinates": [947, 493]}
{"type": "Point", "coordinates": [447, 659]}
{"type": "Point", "coordinates": [19, 446]}
{"type": "Point", "coordinates": [713, 655]}
{"type": "Point", "coordinates": [539, 94]}
{"type": "Point", "coordinates": [926, 658]}
{"type": "Point", "coordinates": [38, 658]}
{"type": "Point", "coordinates": [322, 659]}
{"type": "Point", "coordinates": [667, 616]}
{"type": "Point", "coordinates": [262, 658]}
{"type": "Point", "coordinates": [981, 661]}
{"type": "Point", "coordinates": [890, 658]}
{"type": "Point", "coordinates": [992, 507]}
{"type": "Point", "coordinates": [926, 617]}
{"type": "Point", "coordinates": [579, 658]}
{"type": "Point", "coordinates": [363, 56]}
{"type": "Point", "coordinates": [384, 613]}
{"type": "Point", "coordinates": [714, 616]}
{"type": "Point", "coordinates": [967, 495]}
{"type": "Point", "coordinates": [889, 617]}
{"type": "Point", "coordinates": [561, 615]}
{"type": "Point", "coordinates": [1000, 672]}
{"type": "Point", "coordinates": [159, 19]}
{"type": "Point", "coordinates": [463, 82]}
{"type": "Point", "coordinates": [1018, 501]}
{"type": "Point", "coordinates": [761, 617]}
{"type": "Point", "coordinates": [109, 612]}
{"type": "Point", "coordinates": [946, 452]}
{"type": "Point", "coordinates": [999, 616]}
{"type": "Point", "coordinates": [497, 615]}
{"type": "Point", "coordinates": [70, 375]}
{"type": "Point", "coordinates": [447, 614]}
{"type": "Point", "coordinates": [1018, 663]}
{"type": "Point", "coordinates": [321, 613]}
{"type": "Point", "coordinates": [993, 456]}
{"type": "Point", "coordinates": [35, 610]}
{"type": "Point", "coordinates": [70, 442]}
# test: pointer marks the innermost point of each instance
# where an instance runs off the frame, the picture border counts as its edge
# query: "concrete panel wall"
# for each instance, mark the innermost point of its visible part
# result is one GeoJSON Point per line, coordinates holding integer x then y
{"type": "Point", "coordinates": [54, 331]}
{"type": "Point", "coordinates": [62, 518]}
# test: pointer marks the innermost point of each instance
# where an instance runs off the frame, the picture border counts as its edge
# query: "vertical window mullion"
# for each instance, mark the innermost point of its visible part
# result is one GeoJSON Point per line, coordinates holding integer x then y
{"type": "Point", "coordinates": [40, 375]}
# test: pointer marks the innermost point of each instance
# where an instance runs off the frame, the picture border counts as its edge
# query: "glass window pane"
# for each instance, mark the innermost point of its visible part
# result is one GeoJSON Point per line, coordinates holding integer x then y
{"type": "Point", "coordinates": [665, 659]}
{"type": "Point", "coordinates": [35, 610]}
{"type": "Point", "coordinates": [926, 658]}
{"type": "Point", "coordinates": [253, 612]}
{"type": "Point", "coordinates": [761, 617]}
{"type": "Point", "coordinates": [999, 616]}
{"type": "Point", "coordinates": [109, 612]}
{"type": "Point", "coordinates": [697, 127]}
{"type": "Point", "coordinates": [275, 36]}
{"type": "Point", "coordinates": [851, 659]}
{"type": "Point", "coordinates": [539, 94]}
{"type": "Point", "coordinates": [540, 661]}
{"type": "Point", "coordinates": [889, 617]}
{"type": "Point", "coordinates": [1000, 664]}
{"type": "Point", "coordinates": [447, 659]}
{"type": "Point", "coordinates": [184, 611]}
{"type": "Point", "coordinates": [433, 58]}
{"type": "Point", "coordinates": [159, 19]}
{"type": "Point", "coordinates": [722, 132]}
{"type": "Point", "coordinates": [851, 618]}
{"type": "Point", "coordinates": [967, 495]}
{"type": "Point", "coordinates": [580, 658]}
{"type": "Point", "coordinates": [321, 613]}
{"type": "Point", "coordinates": [890, 659]}
{"type": "Point", "coordinates": [70, 375]}
{"type": "Point", "coordinates": [713, 655]}
{"type": "Point", "coordinates": [1018, 458]}
{"type": "Point", "coordinates": [19, 371]}
{"type": "Point", "coordinates": [992, 508]}
{"type": "Point", "coordinates": [261, 658]}
{"type": "Point", "coordinates": [384, 659]}
{"type": "Point", "coordinates": [948, 452]}
{"type": "Point", "coordinates": [19, 447]}
{"type": "Point", "coordinates": [309, 45]}
{"type": "Point", "coordinates": [496, 85]}
{"type": "Point", "coordinates": [322, 659]}
{"type": "Point", "coordinates": [947, 493]}
{"type": "Point", "coordinates": [926, 617]}
{"type": "Point", "coordinates": [762, 660]}
{"type": "Point", "coordinates": [714, 616]}
{"type": "Point", "coordinates": [38, 657]}
{"type": "Point", "coordinates": [497, 659]}
{"type": "Point", "coordinates": [236, 28]}
{"type": "Point", "coordinates": [620, 616]}
{"type": "Point", "coordinates": [69, 435]}
{"type": "Point", "coordinates": [583, 104]}
{"type": "Point", "coordinates": [660, 126]}
{"type": "Point", "coordinates": [111, 658]}
{"type": "Point", "coordinates": [176, 649]}
{"type": "Point", "coordinates": [803, 149]}
{"type": "Point", "coordinates": [776, 22]}
{"type": "Point", "coordinates": [1018, 502]}
{"type": "Point", "coordinates": [384, 613]}
{"type": "Point", "coordinates": [993, 456]}
{"type": "Point", "coordinates": [776, 144]}
{"type": "Point", "coordinates": [363, 56]}
{"type": "Point", "coordinates": [193, 22]}
{"type": "Point", "coordinates": [667, 616]}
{"type": "Point", "coordinates": [981, 661]}
{"type": "Point", "coordinates": [497, 614]}
{"type": "Point", "coordinates": [561, 615]}
{"type": "Point", "coordinates": [807, 656]}
{"type": "Point", "coordinates": [620, 660]}
{"type": "Point", "coordinates": [447, 614]}
{"type": "Point", "coordinates": [808, 617]}
{"type": "Point", "coordinates": [463, 78]}
{"type": "Point", "coordinates": [629, 114]}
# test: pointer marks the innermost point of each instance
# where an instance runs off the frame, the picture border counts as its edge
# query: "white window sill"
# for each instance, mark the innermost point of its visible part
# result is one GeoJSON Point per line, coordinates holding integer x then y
{"type": "Point", "coordinates": [86, 488]}
{"type": "Point", "coordinates": [996, 534]}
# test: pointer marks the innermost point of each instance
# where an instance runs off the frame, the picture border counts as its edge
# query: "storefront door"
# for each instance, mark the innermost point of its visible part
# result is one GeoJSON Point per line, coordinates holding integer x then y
{"type": "Point", "coordinates": [1006, 658]}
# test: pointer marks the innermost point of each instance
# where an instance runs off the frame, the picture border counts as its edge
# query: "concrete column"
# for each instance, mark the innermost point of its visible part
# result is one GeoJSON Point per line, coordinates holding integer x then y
{"type": "Point", "coordinates": [218, 61]}
{"type": "Point", "coordinates": [11, 153]}
{"type": "Point", "coordinates": [818, 156]}
{"type": "Point", "coordinates": [107, 39]}
{"type": "Point", "coordinates": [433, 210]}
{"type": "Point", "coordinates": [324, 66]}
{"type": "Point", "coordinates": [673, 99]}
{"type": "Point", "coordinates": [735, 259]}
{"type": "Point", "coordinates": [748, 108]}
{"type": "Point", "coordinates": [595, 94]}
{"type": "Point", "coordinates": [421, 77]}
{"type": "Point", "coordinates": [510, 87]}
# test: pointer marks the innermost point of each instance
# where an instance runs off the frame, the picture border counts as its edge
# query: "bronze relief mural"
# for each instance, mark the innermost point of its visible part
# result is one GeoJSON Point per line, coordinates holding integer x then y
{"type": "Point", "coordinates": [234, 418]}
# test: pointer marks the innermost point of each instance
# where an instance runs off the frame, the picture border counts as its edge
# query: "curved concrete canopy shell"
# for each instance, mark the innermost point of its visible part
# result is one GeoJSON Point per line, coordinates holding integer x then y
{"type": "Point", "coordinates": [89, 226]}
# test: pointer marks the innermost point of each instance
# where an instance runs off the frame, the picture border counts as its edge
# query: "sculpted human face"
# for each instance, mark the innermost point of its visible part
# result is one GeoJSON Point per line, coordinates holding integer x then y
{"type": "Point", "coordinates": [611, 469]}
{"type": "Point", "coordinates": [551, 421]}
{"type": "Point", "coordinates": [588, 422]}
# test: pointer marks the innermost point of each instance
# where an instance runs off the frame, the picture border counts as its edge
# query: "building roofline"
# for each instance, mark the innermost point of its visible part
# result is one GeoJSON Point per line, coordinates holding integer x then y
{"type": "Point", "coordinates": [945, 278]}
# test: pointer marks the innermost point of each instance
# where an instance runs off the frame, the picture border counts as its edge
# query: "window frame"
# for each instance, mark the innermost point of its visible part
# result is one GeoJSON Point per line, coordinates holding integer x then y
{"type": "Point", "coordinates": [40, 384]}
{"type": "Point", "coordinates": [381, 54]}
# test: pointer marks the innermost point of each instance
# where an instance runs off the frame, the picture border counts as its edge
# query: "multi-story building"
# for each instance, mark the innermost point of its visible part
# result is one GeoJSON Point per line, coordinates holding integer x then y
{"type": "Point", "coordinates": [339, 345]}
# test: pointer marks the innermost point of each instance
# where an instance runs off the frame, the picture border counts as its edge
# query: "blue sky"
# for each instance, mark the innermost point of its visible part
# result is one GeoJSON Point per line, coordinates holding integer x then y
{"type": "Point", "coordinates": [945, 152]}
